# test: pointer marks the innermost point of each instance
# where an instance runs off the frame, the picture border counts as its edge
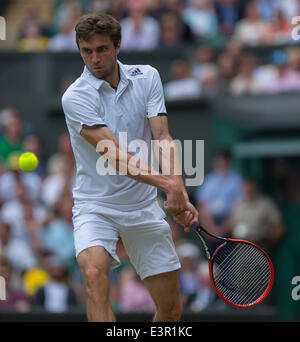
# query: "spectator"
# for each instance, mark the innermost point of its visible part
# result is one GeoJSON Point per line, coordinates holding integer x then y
{"type": "Point", "coordinates": [31, 17]}
{"type": "Point", "coordinates": [24, 217]}
{"type": "Point", "coordinates": [33, 40]}
{"type": "Point", "coordinates": [205, 295]}
{"type": "Point", "coordinates": [287, 79]}
{"type": "Point", "coordinates": [182, 84]}
{"type": "Point", "coordinates": [139, 31]}
{"type": "Point", "coordinates": [215, 198]}
{"type": "Point", "coordinates": [200, 16]}
{"type": "Point", "coordinates": [256, 217]}
{"type": "Point", "coordinates": [189, 256]}
{"type": "Point", "coordinates": [226, 70]}
{"type": "Point", "coordinates": [64, 148]}
{"type": "Point", "coordinates": [16, 299]}
{"type": "Point", "coordinates": [13, 175]}
{"type": "Point", "coordinates": [57, 236]}
{"type": "Point", "coordinates": [134, 296]}
{"type": "Point", "coordinates": [245, 82]}
{"type": "Point", "coordinates": [229, 12]}
{"type": "Point", "coordinates": [67, 10]}
{"type": "Point", "coordinates": [33, 144]}
{"type": "Point", "coordinates": [204, 63]}
{"type": "Point", "coordinates": [266, 9]}
{"type": "Point", "coordinates": [55, 183]}
{"type": "Point", "coordinates": [18, 252]}
{"type": "Point", "coordinates": [64, 40]}
{"type": "Point", "coordinates": [251, 29]}
{"type": "Point", "coordinates": [12, 140]}
{"type": "Point", "coordinates": [171, 30]}
{"type": "Point", "coordinates": [279, 31]}
{"type": "Point", "coordinates": [95, 6]}
{"type": "Point", "coordinates": [56, 295]}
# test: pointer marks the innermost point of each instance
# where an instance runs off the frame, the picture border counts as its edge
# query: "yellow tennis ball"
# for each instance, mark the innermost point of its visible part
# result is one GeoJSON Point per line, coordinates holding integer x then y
{"type": "Point", "coordinates": [28, 161]}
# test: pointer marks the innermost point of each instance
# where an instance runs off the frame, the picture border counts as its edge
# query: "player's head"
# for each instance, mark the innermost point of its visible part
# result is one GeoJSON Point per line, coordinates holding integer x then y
{"type": "Point", "coordinates": [98, 37]}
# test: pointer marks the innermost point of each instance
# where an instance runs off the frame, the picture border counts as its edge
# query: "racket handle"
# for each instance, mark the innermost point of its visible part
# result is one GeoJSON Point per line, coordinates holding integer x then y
{"type": "Point", "coordinates": [195, 226]}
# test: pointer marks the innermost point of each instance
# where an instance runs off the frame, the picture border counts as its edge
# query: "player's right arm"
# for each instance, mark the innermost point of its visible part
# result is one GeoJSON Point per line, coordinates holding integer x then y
{"type": "Point", "coordinates": [131, 166]}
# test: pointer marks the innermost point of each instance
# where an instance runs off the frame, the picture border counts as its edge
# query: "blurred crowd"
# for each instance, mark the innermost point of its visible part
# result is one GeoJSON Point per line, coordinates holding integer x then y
{"type": "Point", "coordinates": [149, 24]}
{"type": "Point", "coordinates": [37, 257]}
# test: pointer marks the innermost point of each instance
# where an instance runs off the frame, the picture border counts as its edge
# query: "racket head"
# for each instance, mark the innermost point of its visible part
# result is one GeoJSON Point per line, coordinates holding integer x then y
{"type": "Point", "coordinates": [254, 273]}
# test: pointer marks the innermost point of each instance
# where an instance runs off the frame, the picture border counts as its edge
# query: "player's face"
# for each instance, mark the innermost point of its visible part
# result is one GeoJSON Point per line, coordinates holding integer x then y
{"type": "Point", "coordinates": [99, 55]}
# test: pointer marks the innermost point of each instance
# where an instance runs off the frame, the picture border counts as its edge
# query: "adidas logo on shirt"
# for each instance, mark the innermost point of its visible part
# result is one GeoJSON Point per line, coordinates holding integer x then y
{"type": "Point", "coordinates": [136, 72]}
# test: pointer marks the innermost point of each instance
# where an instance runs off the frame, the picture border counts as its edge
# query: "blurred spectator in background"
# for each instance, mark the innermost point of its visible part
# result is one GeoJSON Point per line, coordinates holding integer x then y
{"type": "Point", "coordinates": [139, 31]}
{"type": "Point", "coordinates": [290, 8]}
{"type": "Point", "coordinates": [201, 17]}
{"type": "Point", "coordinates": [279, 30]}
{"type": "Point", "coordinates": [57, 236]}
{"type": "Point", "coordinates": [256, 217]}
{"type": "Point", "coordinates": [55, 183]}
{"type": "Point", "coordinates": [252, 28]}
{"type": "Point", "coordinates": [205, 295]}
{"type": "Point", "coordinates": [266, 9]}
{"type": "Point", "coordinates": [64, 149]}
{"type": "Point", "coordinates": [229, 12]}
{"type": "Point", "coordinates": [16, 299]}
{"type": "Point", "coordinates": [9, 181]}
{"type": "Point", "coordinates": [56, 295]}
{"type": "Point", "coordinates": [12, 139]}
{"type": "Point", "coordinates": [33, 39]}
{"type": "Point", "coordinates": [245, 82]}
{"type": "Point", "coordinates": [287, 79]}
{"type": "Point", "coordinates": [65, 11]}
{"type": "Point", "coordinates": [134, 297]}
{"type": "Point", "coordinates": [226, 71]}
{"type": "Point", "coordinates": [293, 58]}
{"type": "Point", "coordinates": [171, 30]}
{"type": "Point", "coordinates": [32, 144]}
{"type": "Point", "coordinates": [65, 39]}
{"type": "Point", "coordinates": [204, 63]}
{"type": "Point", "coordinates": [189, 256]}
{"type": "Point", "coordinates": [182, 85]}
{"type": "Point", "coordinates": [24, 217]}
{"type": "Point", "coordinates": [96, 6]}
{"type": "Point", "coordinates": [215, 198]}
{"type": "Point", "coordinates": [31, 16]}
{"type": "Point", "coordinates": [17, 251]}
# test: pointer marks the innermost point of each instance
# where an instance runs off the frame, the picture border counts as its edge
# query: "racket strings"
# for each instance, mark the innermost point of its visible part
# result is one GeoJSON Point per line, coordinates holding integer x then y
{"type": "Point", "coordinates": [241, 272]}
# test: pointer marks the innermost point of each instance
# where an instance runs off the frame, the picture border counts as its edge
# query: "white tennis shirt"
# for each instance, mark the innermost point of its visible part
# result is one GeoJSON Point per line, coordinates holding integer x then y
{"type": "Point", "coordinates": [91, 101]}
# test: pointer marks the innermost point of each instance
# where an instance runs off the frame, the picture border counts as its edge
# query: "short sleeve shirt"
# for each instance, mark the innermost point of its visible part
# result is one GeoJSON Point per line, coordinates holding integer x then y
{"type": "Point", "coordinates": [93, 102]}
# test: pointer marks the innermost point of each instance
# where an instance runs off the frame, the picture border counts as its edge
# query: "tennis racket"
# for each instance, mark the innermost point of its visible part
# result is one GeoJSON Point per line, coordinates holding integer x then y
{"type": "Point", "coordinates": [241, 273]}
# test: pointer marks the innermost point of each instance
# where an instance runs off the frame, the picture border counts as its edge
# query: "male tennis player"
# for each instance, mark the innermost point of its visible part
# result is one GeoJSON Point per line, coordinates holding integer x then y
{"type": "Point", "coordinates": [109, 98]}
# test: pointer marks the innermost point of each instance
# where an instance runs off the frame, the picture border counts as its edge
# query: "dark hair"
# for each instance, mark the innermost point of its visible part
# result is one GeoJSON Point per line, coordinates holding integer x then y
{"type": "Point", "coordinates": [100, 23]}
{"type": "Point", "coordinates": [223, 153]}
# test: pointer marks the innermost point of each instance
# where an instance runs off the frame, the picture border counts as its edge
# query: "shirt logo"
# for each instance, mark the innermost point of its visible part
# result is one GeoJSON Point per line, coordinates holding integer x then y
{"type": "Point", "coordinates": [136, 72]}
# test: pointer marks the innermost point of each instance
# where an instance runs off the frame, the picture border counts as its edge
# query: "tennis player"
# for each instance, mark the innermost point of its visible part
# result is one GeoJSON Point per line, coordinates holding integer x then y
{"type": "Point", "coordinates": [108, 98]}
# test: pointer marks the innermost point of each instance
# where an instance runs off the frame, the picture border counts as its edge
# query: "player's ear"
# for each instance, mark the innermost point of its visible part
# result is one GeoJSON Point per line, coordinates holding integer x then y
{"type": "Point", "coordinates": [118, 47]}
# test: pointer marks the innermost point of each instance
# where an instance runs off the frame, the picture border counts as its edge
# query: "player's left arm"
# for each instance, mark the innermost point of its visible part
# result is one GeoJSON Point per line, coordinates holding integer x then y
{"type": "Point", "coordinates": [168, 156]}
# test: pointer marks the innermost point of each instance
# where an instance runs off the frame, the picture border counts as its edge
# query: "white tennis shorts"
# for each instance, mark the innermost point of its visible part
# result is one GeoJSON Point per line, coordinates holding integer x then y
{"type": "Point", "coordinates": [145, 234]}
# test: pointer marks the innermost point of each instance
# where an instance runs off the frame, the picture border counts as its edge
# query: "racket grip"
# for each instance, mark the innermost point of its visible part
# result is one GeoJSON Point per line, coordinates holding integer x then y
{"type": "Point", "coordinates": [195, 226]}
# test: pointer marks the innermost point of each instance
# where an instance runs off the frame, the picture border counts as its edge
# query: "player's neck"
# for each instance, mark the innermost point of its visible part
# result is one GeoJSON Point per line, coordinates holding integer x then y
{"type": "Point", "coordinates": [114, 78]}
